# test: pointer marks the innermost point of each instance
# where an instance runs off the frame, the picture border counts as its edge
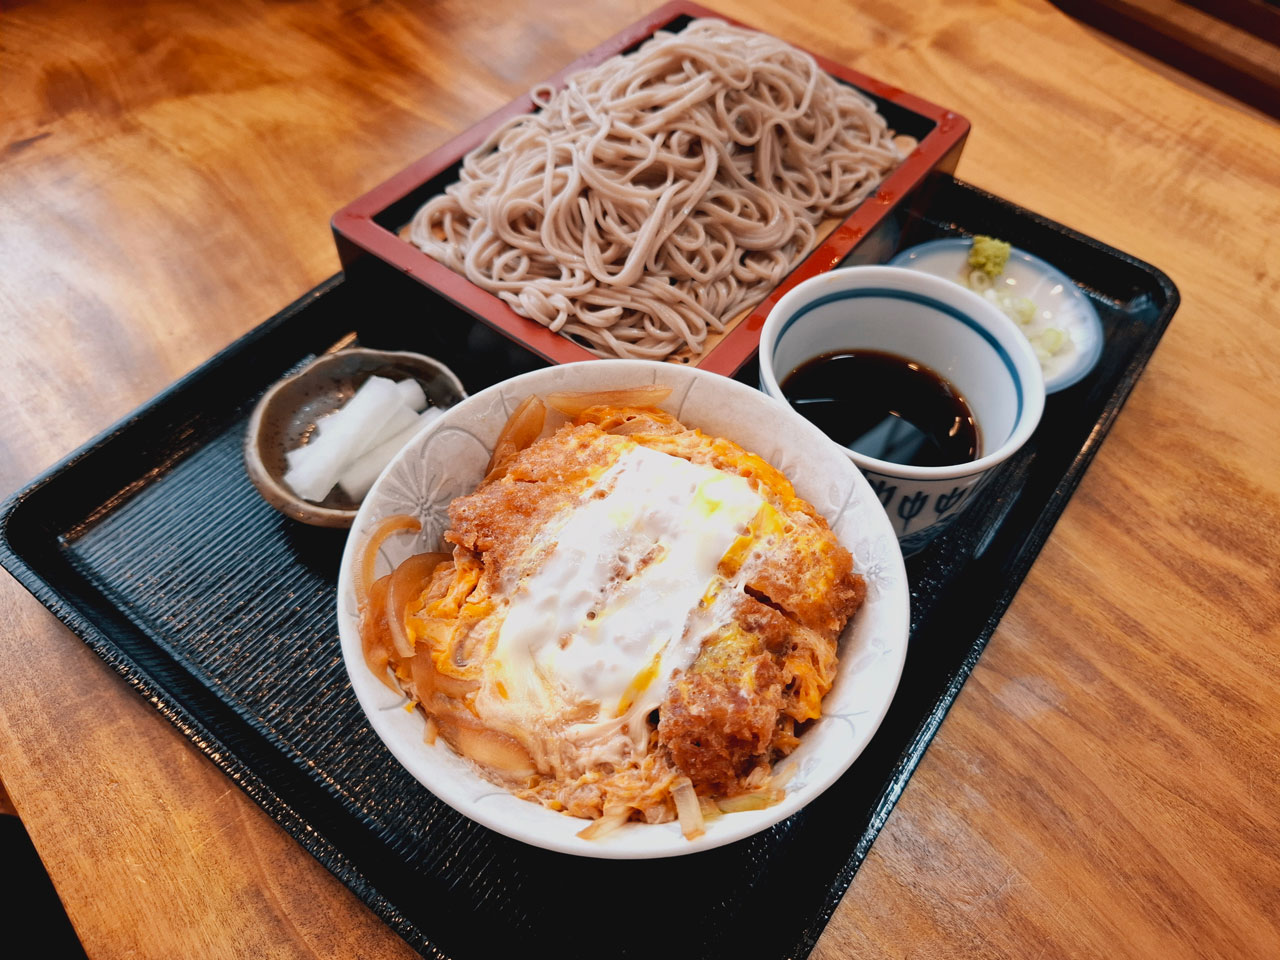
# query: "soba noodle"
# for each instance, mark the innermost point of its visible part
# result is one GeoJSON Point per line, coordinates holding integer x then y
{"type": "Point", "coordinates": [662, 192]}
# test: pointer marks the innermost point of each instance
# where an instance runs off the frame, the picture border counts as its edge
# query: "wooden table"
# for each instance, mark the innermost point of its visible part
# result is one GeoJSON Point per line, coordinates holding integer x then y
{"type": "Point", "coordinates": [1108, 783]}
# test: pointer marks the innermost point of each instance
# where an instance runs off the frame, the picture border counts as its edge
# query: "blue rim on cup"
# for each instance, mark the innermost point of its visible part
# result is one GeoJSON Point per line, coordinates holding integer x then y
{"type": "Point", "coordinates": [948, 328]}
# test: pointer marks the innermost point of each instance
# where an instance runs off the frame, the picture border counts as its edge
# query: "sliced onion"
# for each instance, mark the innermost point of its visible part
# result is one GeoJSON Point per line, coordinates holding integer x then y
{"type": "Point", "coordinates": [572, 404]}
{"type": "Point", "coordinates": [376, 658]}
{"type": "Point", "coordinates": [373, 643]}
{"type": "Point", "coordinates": [492, 749]}
{"type": "Point", "coordinates": [709, 809]}
{"type": "Point", "coordinates": [687, 808]}
{"type": "Point", "coordinates": [407, 583]}
{"type": "Point", "coordinates": [427, 680]}
{"type": "Point", "coordinates": [781, 778]}
{"type": "Point", "coordinates": [614, 817]}
{"type": "Point", "coordinates": [750, 801]}
{"type": "Point", "coordinates": [363, 574]}
{"type": "Point", "coordinates": [522, 428]}
{"type": "Point", "coordinates": [453, 686]}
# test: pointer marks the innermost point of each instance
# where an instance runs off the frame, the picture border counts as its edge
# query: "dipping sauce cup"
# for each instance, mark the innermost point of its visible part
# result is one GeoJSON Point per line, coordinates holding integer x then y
{"type": "Point", "coordinates": [930, 321]}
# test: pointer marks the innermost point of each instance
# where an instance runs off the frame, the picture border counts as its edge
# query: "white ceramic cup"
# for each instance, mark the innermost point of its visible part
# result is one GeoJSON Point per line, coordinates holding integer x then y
{"type": "Point", "coordinates": [939, 324]}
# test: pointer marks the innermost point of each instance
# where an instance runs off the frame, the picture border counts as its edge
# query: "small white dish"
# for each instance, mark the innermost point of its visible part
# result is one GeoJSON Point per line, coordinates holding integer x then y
{"type": "Point", "coordinates": [1059, 302]}
{"type": "Point", "coordinates": [449, 459]}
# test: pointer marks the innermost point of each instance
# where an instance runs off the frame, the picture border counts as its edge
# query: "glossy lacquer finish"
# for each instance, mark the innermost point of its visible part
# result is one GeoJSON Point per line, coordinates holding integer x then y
{"type": "Point", "coordinates": [153, 545]}
{"type": "Point", "coordinates": [371, 226]}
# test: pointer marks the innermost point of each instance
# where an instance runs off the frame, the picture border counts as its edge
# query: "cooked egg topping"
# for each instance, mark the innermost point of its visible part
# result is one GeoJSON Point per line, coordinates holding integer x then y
{"type": "Point", "coordinates": [620, 594]}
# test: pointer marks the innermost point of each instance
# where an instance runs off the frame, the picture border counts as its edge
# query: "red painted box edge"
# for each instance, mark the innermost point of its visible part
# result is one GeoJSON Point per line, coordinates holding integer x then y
{"type": "Point", "coordinates": [355, 222]}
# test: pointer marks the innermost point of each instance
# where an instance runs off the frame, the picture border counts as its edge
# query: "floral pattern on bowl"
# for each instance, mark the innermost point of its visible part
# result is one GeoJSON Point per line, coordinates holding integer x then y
{"type": "Point", "coordinates": [449, 459]}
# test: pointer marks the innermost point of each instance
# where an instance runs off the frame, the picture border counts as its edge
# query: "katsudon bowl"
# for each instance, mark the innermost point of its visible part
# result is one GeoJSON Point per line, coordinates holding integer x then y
{"type": "Point", "coordinates": [450, 458]}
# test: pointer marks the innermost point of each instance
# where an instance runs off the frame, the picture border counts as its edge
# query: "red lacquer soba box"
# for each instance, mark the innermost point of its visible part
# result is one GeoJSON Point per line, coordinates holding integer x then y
{"type": "Point", "coordinates": [375, 224]}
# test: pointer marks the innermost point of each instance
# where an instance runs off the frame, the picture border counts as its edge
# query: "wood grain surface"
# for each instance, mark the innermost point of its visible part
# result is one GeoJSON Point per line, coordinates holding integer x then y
{"type": "Point", "coordinates": [1108, 783]}
{"type": "Point", "coordinates": [1233, 44]}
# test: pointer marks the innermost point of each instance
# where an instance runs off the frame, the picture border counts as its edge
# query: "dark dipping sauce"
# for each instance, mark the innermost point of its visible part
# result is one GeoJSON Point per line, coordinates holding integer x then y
{"type": "Point", "coordinates": [885, 406]}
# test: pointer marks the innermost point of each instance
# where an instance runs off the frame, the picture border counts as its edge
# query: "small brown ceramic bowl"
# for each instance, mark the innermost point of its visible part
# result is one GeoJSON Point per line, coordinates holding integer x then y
{"type": "Point", "coordinates": [286, 416]}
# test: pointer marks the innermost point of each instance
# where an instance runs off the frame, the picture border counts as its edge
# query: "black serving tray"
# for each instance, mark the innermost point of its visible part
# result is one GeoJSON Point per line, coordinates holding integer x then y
{"type": "Point", "coordinates": [151, 544]}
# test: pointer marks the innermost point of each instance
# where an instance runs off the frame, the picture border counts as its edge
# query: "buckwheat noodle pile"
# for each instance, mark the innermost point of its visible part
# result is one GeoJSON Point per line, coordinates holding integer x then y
{"type": "Point", "coordinates": [661, 192]}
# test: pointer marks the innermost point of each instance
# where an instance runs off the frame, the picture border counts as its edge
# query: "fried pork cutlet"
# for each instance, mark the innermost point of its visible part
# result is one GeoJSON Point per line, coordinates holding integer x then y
{"type": "Point", "coordinates": [715, 691]}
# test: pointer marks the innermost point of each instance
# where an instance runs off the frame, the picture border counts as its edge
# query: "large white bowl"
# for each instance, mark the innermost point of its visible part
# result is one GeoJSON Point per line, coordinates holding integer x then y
{"type": "Point", "coordinates": [448, 459]}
